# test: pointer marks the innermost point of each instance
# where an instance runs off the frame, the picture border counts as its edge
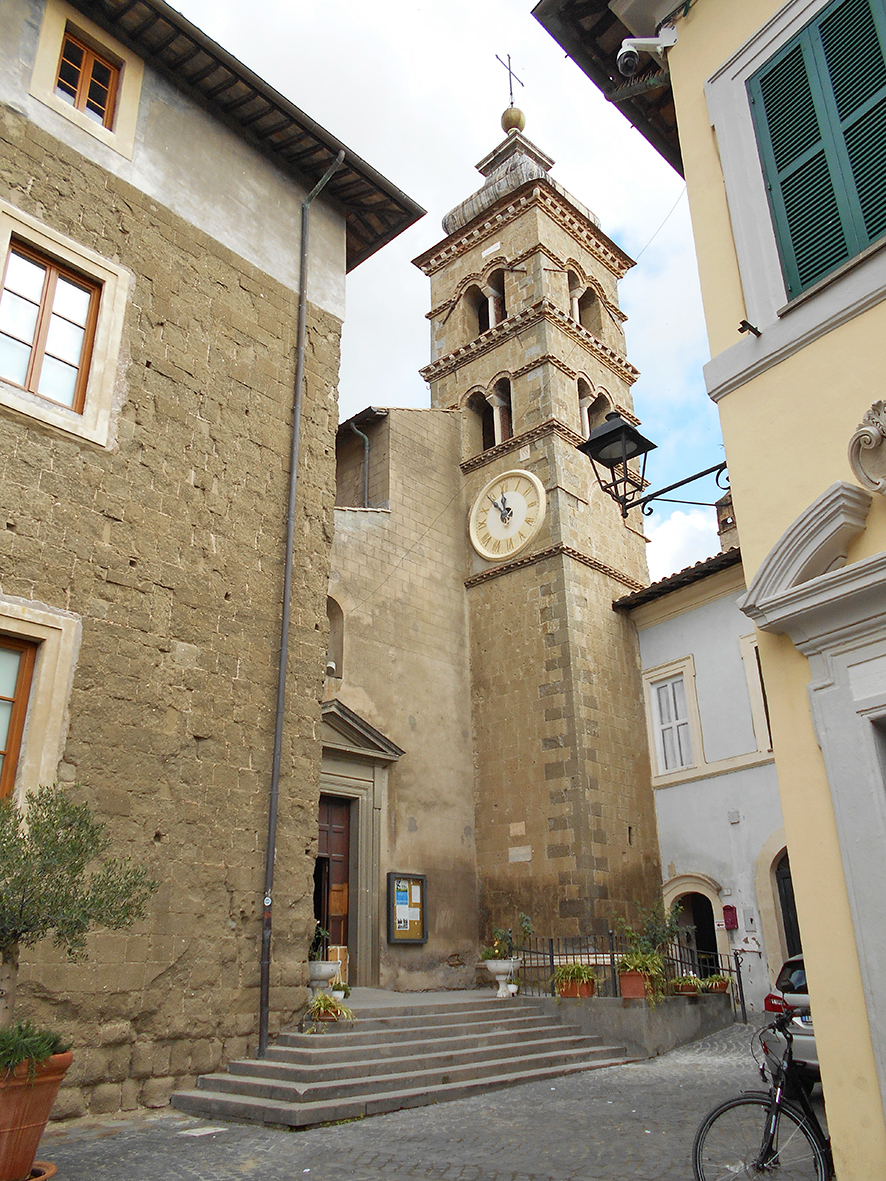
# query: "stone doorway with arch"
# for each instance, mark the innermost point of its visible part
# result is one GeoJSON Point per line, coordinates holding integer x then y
{"type": "Point", "coordinates": [698, 898]}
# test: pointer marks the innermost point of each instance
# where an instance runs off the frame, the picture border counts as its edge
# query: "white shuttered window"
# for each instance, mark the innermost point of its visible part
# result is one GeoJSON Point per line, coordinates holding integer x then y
{"type": "Point", "coordinates": [673, 739]}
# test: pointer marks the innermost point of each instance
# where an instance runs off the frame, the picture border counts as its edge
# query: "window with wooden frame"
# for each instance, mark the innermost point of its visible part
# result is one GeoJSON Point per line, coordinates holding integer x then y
{"type": "Point", "coordinates": [16, 671]}
{"type": "Point", "coordinates": [819, 112]}
{"type": "Point", "coordinates": [87, 81]}
{"type": "Point", "coordinates": [47, 326]}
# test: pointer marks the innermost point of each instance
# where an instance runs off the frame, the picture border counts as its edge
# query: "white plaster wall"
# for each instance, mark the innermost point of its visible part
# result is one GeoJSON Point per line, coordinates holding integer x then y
{"type": "Point", "coordinates": [696, 836]}
{"type": "Point", "coordinates": [711, 633]}
{"type": "Point", "coordinates": [195, 166]}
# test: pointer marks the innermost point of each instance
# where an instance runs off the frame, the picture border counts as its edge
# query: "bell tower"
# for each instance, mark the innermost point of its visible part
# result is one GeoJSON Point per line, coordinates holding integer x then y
{"type": "Point", "coordinates": [527, 344]}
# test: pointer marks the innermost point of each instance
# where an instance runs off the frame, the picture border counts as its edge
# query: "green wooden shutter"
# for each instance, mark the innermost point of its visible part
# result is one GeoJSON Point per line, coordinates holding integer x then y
{"type": "Point", "coordinates": [819, 109]}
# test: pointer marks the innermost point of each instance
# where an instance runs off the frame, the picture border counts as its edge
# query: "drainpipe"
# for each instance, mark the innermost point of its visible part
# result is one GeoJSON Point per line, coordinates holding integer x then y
{"type": "Point", "coordinates": [365, 439]}
{"type": "Point", "coordinates": [271, 848]}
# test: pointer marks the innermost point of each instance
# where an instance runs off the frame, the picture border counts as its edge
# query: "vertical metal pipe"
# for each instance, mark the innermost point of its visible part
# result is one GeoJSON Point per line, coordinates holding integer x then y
{"type": "Point", "coordinates": [365, 439]}
{"type": "Point", "coordinates": [744, 1010]}
{"type": "Point", "coordinates": [612, 963]}
{"type": "Point", "coordinates": [271, 846]}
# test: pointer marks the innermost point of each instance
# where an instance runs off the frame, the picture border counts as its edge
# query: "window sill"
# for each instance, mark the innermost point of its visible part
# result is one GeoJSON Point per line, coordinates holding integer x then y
{"type": "Point", "coordinates": [757, 758]}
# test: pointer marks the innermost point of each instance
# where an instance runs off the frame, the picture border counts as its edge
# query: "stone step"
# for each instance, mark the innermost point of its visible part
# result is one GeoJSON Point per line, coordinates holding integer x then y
{"type": "Point", "coordinates": [379, 1084]}
{"type": "Point", "coordinates": [388, 1021]}
{"type": "Point", "coordinates": [357, 1034]}
{"type": "Point", "coordinates": [313, 1051]}
{"type": "Point", "coordinates": [440, 1057]}
{"type": "Point", "coordinates": [220, 1105]}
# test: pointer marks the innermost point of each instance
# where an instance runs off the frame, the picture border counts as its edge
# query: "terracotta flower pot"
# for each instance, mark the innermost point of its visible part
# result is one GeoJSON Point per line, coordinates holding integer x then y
{"type": "Point", "coordinates": [686, 989]}
{"type": "Point", "coordinates": [575, 988]}
{"type": "Point", "coordinates": [718, 986]}
{"type": "Point", "coordinates": [633, 985]}
{"type": "Point", "coordinates": [25, 1104]}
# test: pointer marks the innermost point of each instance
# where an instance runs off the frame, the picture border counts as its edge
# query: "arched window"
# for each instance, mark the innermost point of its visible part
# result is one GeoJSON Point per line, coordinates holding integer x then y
{"type": "Point", "coordinates": [590, 311]}
{"type": "Point", "coordinates": [477, 305]}
{"type": "Point", "coordinates": [501, 402]}
{"type": "Point", "coordinates": [593, 408]}
{"type": "Point", "coordinates": [335, 648]}
{"type": "Point", "coordinates": [485, 418]}
{"type": "Point", "coordinates": [496, 285]}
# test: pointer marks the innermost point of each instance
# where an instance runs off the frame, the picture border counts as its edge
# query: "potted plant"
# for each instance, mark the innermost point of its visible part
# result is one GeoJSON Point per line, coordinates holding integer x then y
{"type": "Point", "coordinates": [716, 982]}
{"type": "Point", "coordinates": [574, 979]}
{"type": "Point", "coordinates": [642, 968]}
{"type": "Point", "coordinates": [52, 881]}
{"type": "Point", "coordinates": [324, 1007]}
{"type": "Point", "coordinates": [501, 958]}
{"type": "Point", "coordinates": [686, 985]}
{"type": "Point", "coordinates": [641, 975]}
{"type": "Point", "coordinates": [320, 970]}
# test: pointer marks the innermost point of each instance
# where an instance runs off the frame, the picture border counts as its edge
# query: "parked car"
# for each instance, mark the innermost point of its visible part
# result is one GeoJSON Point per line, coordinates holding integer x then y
{"type": "Point", "coordinates": [791, 993]}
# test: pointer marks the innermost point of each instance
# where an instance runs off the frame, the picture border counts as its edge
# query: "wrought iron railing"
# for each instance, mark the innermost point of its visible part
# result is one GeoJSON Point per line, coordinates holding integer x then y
{"type": "Point", "coordinates": [541, 956]}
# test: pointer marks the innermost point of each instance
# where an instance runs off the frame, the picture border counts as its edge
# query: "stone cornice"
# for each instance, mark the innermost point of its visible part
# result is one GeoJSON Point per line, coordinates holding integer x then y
{"type": "Point", "coordinates": [553, 552]}
{"type": "Point", "coordinates": [532, 194]}
{"type": "Point", "coordinates": [544, 309]}
{"type": "Point", "coordinates": [550, 426]}
{"type": "Point", "coordinates": [500, 260]}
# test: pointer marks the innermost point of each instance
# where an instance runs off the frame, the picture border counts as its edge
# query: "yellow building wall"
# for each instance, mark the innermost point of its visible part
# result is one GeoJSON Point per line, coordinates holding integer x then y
{"type": "Point", "coordinates": [786, 433]}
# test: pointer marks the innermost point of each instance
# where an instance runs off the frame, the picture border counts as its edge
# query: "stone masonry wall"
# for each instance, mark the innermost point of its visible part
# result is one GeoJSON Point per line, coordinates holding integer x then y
{"type": "Point", "coordinates": [169, 545]}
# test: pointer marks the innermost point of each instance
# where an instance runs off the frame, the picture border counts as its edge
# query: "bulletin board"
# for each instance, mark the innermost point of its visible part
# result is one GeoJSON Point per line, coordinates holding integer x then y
{"type": "Point", "coordinates": [407, 908]}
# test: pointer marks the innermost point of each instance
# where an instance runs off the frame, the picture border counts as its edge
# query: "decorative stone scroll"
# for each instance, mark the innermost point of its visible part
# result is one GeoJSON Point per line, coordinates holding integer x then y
{"type": "Point", "coordinates": [867, 450]}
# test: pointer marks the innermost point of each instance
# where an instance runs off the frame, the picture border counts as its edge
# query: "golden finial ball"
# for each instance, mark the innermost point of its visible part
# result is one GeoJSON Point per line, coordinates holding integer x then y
{"type": "Point", "coordinates": [513, 120]}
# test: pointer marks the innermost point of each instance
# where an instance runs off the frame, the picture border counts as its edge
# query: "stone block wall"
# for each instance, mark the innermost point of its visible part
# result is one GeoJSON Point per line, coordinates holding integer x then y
{"type": "Point", "coordinates": [398, 576]}
{"type": "Point", "coordinates": [169, 545]}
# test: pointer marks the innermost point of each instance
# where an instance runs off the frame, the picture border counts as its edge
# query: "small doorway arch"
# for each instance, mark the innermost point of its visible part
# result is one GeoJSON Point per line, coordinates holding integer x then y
{"type": "Point", "coordinates": [788, 905]}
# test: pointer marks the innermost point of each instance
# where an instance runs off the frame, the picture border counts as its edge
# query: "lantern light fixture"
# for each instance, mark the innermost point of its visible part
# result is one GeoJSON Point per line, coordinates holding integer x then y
{"type": "Point", "coordinates": [611, 448]}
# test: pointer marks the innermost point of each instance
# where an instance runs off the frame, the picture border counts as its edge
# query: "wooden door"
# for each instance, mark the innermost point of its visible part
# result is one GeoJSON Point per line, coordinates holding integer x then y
{"type": "Point", "coordinates": [334, 849]}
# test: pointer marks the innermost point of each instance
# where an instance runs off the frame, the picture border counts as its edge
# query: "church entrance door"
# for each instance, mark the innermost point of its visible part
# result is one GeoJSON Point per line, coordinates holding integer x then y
{"type": "Point", "coordinates": [332, 871]}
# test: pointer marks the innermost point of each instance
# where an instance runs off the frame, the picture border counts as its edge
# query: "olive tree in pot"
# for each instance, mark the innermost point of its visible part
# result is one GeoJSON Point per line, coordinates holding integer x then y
{"type": "Point", "coordinates": [54, 880]}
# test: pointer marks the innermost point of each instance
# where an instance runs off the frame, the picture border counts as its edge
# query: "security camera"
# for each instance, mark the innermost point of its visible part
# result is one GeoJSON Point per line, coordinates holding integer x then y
{"type": "Point", "coordinates": [331, 669]}
{"type": "Point", "coordinates": [628, 59]}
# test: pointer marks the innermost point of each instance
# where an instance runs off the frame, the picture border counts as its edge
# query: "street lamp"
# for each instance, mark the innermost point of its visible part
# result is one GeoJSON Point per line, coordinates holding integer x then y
{"type": "Point", "coordinates": [611, 447]}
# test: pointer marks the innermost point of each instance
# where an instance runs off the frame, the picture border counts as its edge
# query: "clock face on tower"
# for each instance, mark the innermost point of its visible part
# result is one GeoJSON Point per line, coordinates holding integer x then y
{"type": "Point", "coordinates": [506, 515]}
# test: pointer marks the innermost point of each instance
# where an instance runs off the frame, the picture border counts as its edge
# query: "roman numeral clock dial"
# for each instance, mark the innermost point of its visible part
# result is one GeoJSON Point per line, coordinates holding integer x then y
{"type": "Point", "coordinates": [506, 515]}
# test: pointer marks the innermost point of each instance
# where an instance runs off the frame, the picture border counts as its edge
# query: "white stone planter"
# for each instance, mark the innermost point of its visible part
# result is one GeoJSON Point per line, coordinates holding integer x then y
{"type": "Point", "coordinates": [501, 970]}
{"type": "Point", "coordinates": [321, 972]}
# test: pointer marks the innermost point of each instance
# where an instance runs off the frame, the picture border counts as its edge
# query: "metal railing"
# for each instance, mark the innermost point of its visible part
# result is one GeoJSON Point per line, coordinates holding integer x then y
{"type": "Point", "coordinates": [541, 956]}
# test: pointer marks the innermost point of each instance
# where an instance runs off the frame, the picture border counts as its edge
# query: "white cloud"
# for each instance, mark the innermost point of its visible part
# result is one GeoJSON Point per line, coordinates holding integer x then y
{"type": "Point", "coordinates": [681, 540]}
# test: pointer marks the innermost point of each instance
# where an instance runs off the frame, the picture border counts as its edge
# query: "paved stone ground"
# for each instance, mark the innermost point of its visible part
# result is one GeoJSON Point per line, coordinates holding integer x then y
{"type": "Point", "coordinates": [615, 1124]}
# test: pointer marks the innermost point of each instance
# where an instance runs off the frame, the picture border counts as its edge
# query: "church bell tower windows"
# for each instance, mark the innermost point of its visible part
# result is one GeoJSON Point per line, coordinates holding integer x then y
{"type": "Point", "coordinates": [500, 399]}
{"type": "Point", "coordinates": [483, 418]}
{"type": "Point", "coordinates": [477, 308]}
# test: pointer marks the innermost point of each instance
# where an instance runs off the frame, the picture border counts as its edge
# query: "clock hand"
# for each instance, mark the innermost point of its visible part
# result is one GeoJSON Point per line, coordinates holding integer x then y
{"type": "Point", "coordinates": [503, 511]}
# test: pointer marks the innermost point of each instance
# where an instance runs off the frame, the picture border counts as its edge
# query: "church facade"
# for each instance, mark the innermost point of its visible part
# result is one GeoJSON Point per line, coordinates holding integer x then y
{"type": "Point", "coordinates": [484, 735]}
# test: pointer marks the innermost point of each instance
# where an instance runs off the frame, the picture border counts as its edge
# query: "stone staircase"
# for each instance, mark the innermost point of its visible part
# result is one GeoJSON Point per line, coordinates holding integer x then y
{"type": "Point", "coordinates": [392, 1057]}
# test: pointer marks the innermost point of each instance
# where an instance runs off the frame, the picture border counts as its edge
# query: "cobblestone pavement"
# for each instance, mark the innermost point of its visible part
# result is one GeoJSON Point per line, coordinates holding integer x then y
{"type": "Point", "coordinates": [614, 1124]}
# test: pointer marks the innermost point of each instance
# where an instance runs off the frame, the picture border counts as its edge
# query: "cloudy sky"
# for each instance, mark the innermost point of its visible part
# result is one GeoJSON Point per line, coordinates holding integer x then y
{"type": "Point", "coordinates": [413, 86]}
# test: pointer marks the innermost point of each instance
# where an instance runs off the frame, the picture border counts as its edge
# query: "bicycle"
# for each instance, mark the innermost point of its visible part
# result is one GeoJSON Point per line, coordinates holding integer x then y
{"type": "Point", "coordinates": [759, 1133]}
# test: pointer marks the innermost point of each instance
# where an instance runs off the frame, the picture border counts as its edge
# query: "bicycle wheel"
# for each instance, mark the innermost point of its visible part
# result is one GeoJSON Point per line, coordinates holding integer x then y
{"type": "Point", "coordinates": [729, 1140]}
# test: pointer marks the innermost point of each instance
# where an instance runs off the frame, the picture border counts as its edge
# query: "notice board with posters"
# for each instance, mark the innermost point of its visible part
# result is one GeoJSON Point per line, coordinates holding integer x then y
{"type": "Point", "coordinates": [407, 908]}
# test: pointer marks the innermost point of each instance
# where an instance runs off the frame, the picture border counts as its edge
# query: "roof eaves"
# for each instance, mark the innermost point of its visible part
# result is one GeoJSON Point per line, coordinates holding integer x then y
{"type": "Point", "coordinates": [682, 578]}
{"type": "Point", "coordinates": [593, 61]}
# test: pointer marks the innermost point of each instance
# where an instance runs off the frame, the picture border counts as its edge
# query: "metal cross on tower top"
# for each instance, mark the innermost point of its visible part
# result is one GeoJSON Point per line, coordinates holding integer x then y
{"type": "Point", "coordinates": [511, 75]}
